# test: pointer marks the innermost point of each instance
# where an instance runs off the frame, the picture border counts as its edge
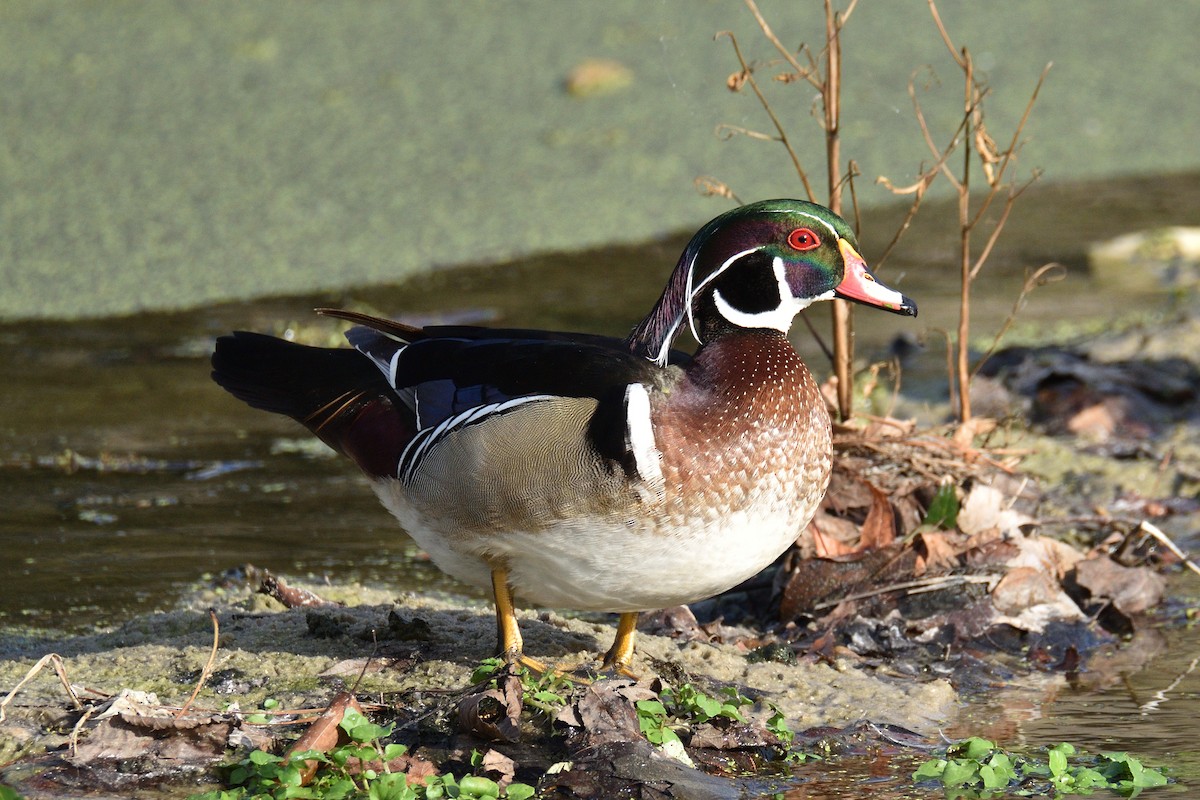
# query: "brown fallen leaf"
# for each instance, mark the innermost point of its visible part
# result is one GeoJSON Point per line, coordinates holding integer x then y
{"type": "Point", "coordinates": [498, 767]}
{"type": "Point", "coordinates": [606, 713]}
{"type": "Point", "coordinates": [826, 546]}
{"type": "Point", "coordinates": [964, 435]}
{"type": "Point", "coordinates": [184, 742]}
{"type": "Point", "coordinates": [1131, 589]}
{"type": "Point", "coordinates": [1023, 587]}
{"type": "Point", "coordinates": [493, 713]}
{"type": "Point", "coordinates": [677, 622]}
{"type": "Point", "coordinates": [737, 736]}
{"type": "Point", "coordinates": [324, 734]}
{"type": "Point", "coordinates": [937, 552]}
{"type": "Point", "coordinates": [879, 528]}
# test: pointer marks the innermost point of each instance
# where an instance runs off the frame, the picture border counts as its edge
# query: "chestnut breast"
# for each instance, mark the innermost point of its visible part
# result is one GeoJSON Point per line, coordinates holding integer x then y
{"type": "Point", "coordinates": [745, 426]}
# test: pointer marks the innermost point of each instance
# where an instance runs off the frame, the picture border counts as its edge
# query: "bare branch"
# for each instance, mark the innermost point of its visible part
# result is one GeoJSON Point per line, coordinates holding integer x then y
{"type": "Point", "coordinates": [712, 187]}
{"type": "Point", "coordinates": [958, 57]}
{"type": "Point", "coordinates": [770, 113]}
{"type": "Point", "coordinates": [940, 155]}
{"type": "Point", "coordinates": [853, 172]}
{"type": "Point", "coordinates": [1014, 146]}
{"type": "Point", "coordinates": [808, 73]}
{"type": "Point", "coordinates": [1047, 273]}
{"type": "Point", "coordinates": [1013, 194]}
{"type": "Point", "coordinates": [919, 188]}
{"type": "Point", "coordinates": [725, 132]}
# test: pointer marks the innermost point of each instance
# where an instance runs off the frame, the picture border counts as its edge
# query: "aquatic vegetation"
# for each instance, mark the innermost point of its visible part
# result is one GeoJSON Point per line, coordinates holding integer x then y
{"type": "Point", "coordinates": [976, 767]}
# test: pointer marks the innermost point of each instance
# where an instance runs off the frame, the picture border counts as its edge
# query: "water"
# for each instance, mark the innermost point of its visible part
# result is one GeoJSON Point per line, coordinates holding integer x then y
{"type": "Point", "coordinates": [126, 475]}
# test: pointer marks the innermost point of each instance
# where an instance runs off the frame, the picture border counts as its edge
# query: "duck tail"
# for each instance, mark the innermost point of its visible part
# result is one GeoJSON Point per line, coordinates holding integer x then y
{"type": "Point", "coordinates": [334, 392]}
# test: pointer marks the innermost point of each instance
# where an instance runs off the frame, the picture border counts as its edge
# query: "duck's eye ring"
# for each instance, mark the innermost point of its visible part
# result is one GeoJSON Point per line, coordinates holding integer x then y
{"type": "Point", "coordinates": [803, 239]}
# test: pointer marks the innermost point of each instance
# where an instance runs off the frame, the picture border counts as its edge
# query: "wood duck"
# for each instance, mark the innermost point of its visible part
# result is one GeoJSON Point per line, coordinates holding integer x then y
{"type": "Point", "coordinates": [579, 471]}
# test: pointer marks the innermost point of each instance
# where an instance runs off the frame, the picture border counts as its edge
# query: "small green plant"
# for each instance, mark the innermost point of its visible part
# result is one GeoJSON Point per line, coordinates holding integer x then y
{"type": "Point", "coordinates": [654, 722]}
{"type": "Point", "coordinates": [943, 508]}
{"type": "Point", "coordinates": [260, 718]}
{"type": "Point", "coordinates": [341, 775]}
{"type": "Point", "coordinates": [975, 767]}
{"type": "Point", "coordinates": [547, 692]}
{"type": "Point", "coordinates": [777, 724]}
{"type": "Point", "coordinates": [688, 702]}
{"type": "Point", "coordinates": [682, 706]}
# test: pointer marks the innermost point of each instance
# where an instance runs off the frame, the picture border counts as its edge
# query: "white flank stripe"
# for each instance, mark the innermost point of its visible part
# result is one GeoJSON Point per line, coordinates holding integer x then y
{"type": "Point", "coordinates": [639, 438]}
{"type": "Point", "coordinates": [391, 374]}
{"type": "Point", "coordinates": [428, 438]}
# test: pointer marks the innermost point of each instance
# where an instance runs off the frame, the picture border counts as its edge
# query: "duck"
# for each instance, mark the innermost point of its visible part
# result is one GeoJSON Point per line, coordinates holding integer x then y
{"type": "Point", "coordinates": [587, 472]}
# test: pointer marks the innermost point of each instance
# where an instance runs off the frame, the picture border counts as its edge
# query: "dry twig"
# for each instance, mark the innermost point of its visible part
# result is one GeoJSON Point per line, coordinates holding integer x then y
{"type": "Point", "coordinates": [208, 665]}
{"type": "Point", "coordinates": [59, 668]}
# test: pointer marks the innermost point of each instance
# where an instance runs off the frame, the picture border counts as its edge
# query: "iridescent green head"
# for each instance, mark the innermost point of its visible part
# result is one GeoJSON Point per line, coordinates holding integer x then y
{"type": "Point", "coordinates": [756, 267]}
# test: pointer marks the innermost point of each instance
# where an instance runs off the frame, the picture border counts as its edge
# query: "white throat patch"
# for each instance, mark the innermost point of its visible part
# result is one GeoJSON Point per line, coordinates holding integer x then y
{"type": "Point", "coordinates": [778, 318]}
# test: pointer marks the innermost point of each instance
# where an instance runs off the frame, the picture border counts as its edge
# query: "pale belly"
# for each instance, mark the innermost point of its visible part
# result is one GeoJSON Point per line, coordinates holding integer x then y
{"type": "Point", "coordinates": [611, 564]}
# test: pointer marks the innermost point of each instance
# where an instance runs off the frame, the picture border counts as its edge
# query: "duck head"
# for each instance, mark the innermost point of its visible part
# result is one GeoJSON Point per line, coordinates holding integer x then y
{"type": "Point", "coordinates": [757, 267]}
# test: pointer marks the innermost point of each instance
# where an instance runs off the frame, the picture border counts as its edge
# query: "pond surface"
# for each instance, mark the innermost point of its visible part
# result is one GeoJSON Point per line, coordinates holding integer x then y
{"type": "Point", "coordinates": [127, 476]}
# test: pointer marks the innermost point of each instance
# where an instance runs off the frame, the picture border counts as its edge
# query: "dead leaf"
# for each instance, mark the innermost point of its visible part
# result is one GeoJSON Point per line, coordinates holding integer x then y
{"type": "Point", "coordinates": [826, 546]}
{"type": "Point", "coordinates": [738, 736]}
{"type": "Point", "coordinates": [498, 767]}
{"type": "Point", "coordinates": [1044, 553]}
{"type": "Point", "coordinates": [133, 702]}
{"type": "Point", "coordinates": [986, 508]}
{"type": "Point", "coordinates": [494, 713]}
{"type": "Point", "coordinates": [606, 713]}
{"type": "Point", "coordinates": [324, 734]}
{"type": "Point", "coordinates": [1100, 421]}
{"type": "Point", "coordinates": [879, 528]}
{"type": "Point", "coordinates": [937, 552]}
{"type": "Point", "coordinates": [677, 622]}
{"type": "Point", "coordinates": [964, 435]}
{"type": "Point", "coordinates": [1131, 589]}
{"type": "Point", "coordinates": [187, 741]}
{"type": "Point", "coordinates": [1023, 587]}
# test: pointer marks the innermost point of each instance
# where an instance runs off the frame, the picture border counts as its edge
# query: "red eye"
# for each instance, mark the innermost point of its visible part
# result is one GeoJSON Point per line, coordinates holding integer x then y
{"type": "Point", "coordinates": [803, 239]}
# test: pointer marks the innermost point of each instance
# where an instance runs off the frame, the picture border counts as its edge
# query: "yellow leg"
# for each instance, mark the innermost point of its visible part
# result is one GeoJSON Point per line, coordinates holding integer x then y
{"type": "Point", "coordinates": [508, 635]}
{"type": "Point", "coordinates": [620, 655]}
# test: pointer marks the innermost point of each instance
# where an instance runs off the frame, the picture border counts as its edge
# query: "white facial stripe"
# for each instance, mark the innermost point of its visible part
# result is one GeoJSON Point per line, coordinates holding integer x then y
{"type": "Point", "coordinates": [832, 232]}
{"type": "Point", "coordinates": [692, 292]}
{"type": "Point", "coordinates": [661, 358]}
